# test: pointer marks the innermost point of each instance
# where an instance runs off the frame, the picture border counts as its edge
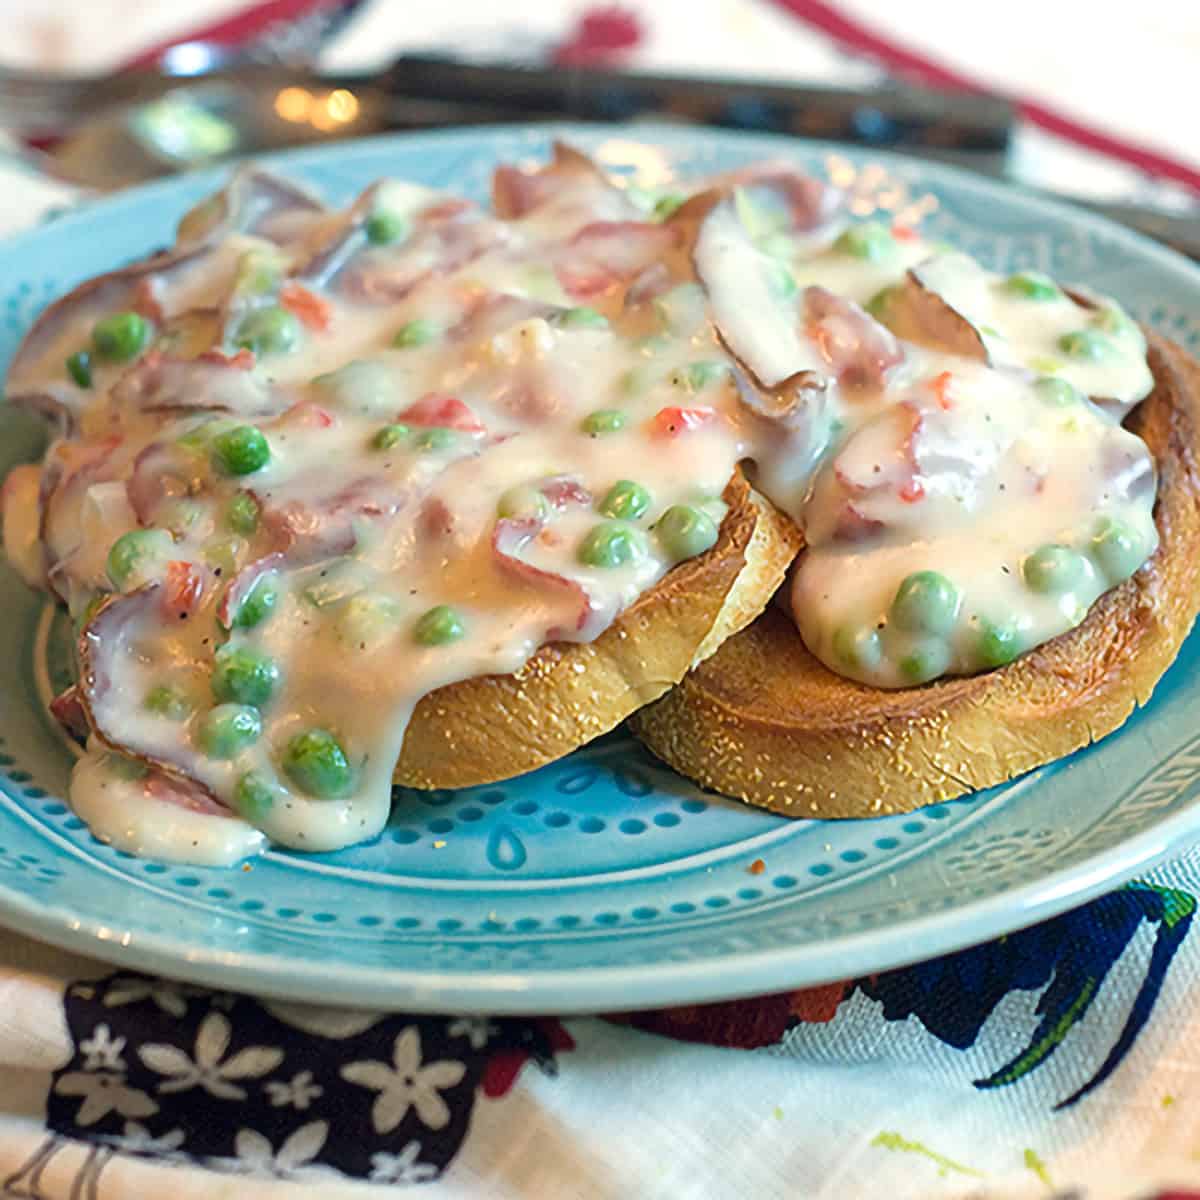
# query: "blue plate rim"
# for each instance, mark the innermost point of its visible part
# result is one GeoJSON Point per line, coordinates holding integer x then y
{"type": "Point", "coordinates": [607, 989]}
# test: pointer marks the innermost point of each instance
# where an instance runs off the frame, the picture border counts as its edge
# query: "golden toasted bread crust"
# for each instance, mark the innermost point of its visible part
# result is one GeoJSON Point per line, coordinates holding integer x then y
{"type": "Point", "coordinates": [498, 726]}
{"type": "Point", "coordinates": [764, 721]}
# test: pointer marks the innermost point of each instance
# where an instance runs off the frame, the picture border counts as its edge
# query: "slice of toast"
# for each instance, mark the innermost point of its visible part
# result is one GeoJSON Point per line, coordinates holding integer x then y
{"type": "Point", "coordinates": [764, 721]}
{"type": "Point", "coordinates": [497, 726]}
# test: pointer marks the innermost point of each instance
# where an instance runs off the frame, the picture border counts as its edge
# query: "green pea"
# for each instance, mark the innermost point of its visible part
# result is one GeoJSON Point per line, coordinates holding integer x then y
{"type": "Point", "coordinates": [638, 379]}
{"type": "Point", "coordinates": [604, 420]}
{"type": "Point", "coordinates": [685, 531]}
{"type": "Point", "coordinates": [859, 649]}
{"type": "Point", "coordinates": [132, 552]}
{"type": "Point", "coordinates": [1112, 320]}
{"type": "Point", "coordinates": [258, 604]}
{"type": "Point", "coordinates": [1032, 285]}
{"type": "Point", "coordinates": [367, 618]}
{"type": "Point", "coordinates": [698, 376]}
{"type": "Point", "coordinates": [126, 768]}
{"type": "Point", "coordinates": [241, 450]}
{"type": "Point", "coordinates": [626, 501]}
{"type": "Point", "coordinates": [925, 661]}
{"type": "Point", "coordinates": [665, 206]}
{"type": "Point", "coordinates": [120, 337]}
{"type": "Point", "coordinates": [583, 318]}
{"type": "Point", "coordinates": [998, 644]}
{"type": "Point", "coordinates": [242, 514]}
{"type": "Point", "coordinates": [385, 227]}
{"type": "Point", "coordinates": [365, 386]}
{"type": "Point", "coordinates": [523, 503]}
{"type": "Point", "coordinates": [224, 554]}
{"type": "Point", "coordinates": [179, 516]}
{"type": "Point", "coordinates": [778, 245]}
{"type": "Point", "coordinates": [611, 544]}
{"type": "Point", "coordinates": [680, 310]}
{"type": "Point", "coordinates": [439, 626]}
{"type": "Point", "coordinates": [199, 437]}
{"type": "Point", "coordinates": [780, 279]}
{"type": "Point", "coordinates": [389, 436]}
{"type": "Point", "coordinates": [259, 273]}
{"type": "Point", "coordinates": [316, 763]}
{"type": "Point", "coordinates": [1054, 569]}
{"type": "Point", "coordinates": [881, 304]}
{"type": "Point", "coordinates": [1056, 392]}
{"type": "Point", "coordinates": [1087, 344]}
{"type": "Point", "coordinates": [331, 587]}
{"type": "Point", "coordinates": [79, 367]}
{"type": "Point", "coordinates": [926, 602]}
{"type": "Point", "coordinates": [420, 332]}
{"type": "Point", "coordinates": [761, 215]}
{"type": "Point", "coordinates": [1046, 363]}
{"type": "Point", "coordinates": [870, 241]}
{"type": "Point", "coordinates": [254, 796]}
{"type": "Point", "coordinates": [167, 702]}
{"type": "Point", "coordinates": [271, 330]}
{"type": "Point", "coordinates": [1117, 549]}
{"type": "Point", "coordinates": [228, 729]}
{"type": "Point", "coordinates": [244, 676]}
{"type": "Point", "coordinates": [437, 439]}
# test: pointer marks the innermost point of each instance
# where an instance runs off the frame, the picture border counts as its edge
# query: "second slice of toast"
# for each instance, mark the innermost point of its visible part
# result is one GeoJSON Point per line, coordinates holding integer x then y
{"type": "Point", "coordinates": [762, 720]}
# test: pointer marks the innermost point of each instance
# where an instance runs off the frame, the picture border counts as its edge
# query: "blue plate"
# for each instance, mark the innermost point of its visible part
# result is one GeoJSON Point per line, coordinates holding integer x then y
{"type": "Point", "coordinates": [604, 881]}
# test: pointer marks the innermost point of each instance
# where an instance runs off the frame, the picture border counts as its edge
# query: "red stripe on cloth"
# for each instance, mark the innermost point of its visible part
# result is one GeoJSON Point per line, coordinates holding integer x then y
{"type": "Point", "coordinates": [241, 26]}
{"type": "Point", "coordinates": [905, 61]}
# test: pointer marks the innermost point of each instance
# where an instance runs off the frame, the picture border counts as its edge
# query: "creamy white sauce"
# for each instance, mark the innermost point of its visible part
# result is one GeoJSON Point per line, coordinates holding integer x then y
{"type": "Point", "coordinates": [1020, 332]}
{"type": "Point", "coordinates": [1033, 475]}
{"type": "Point", "coordinates": [897, 457]}
{"type": "Point", "coordinates": [119, 810]}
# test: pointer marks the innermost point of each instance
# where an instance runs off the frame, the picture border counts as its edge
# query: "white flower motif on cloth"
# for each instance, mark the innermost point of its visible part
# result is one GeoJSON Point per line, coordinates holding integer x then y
{"type": "Point", "coordinates": [206, 1070]}
{"type": "Point", "coordinates": [267, 1091]}
{"type": "Point", "coordinates": [338, 1023]}
{"type": "Point", "coordinates": [476, 1030]}
{"type": "Point", "coordinates": [137, 1139]}
{"type": "Point", "coordinates": [171, 998]}
{"type": "Point", "coordinates": [299, 1093]}
{"type": "Point", "coordinates": [406, 1084]}
{"type": "Point", "coordinates": [402, 1167]}
{"type": "Point", "coordinates": [256, 1155]}
{"type": "Point", "coordinates": [102, 1052]}
{"type": "Point", "coordinates": [104, 1092]}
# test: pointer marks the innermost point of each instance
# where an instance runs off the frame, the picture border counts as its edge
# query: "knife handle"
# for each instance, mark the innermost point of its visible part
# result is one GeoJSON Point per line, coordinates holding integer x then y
{"type": "Point", "coordinates": [890, 115]}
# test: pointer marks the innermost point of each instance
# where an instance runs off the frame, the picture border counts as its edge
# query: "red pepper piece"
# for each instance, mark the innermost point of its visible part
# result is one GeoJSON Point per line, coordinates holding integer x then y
{"type": "Point", "coordinates": [243, 360]}
{"type": "Point", "coordinates": [441, 411]}
{"type": "Point", "coordinates": [940, 386]}
{"type": "Point", "coordinates": [308, 416]}
{"type": "Point", "coordinates": [672, 421]}
{"type": "Point", "coordinates": [184, 587]}
{"type": "Point", "coordinates": [313, 310]}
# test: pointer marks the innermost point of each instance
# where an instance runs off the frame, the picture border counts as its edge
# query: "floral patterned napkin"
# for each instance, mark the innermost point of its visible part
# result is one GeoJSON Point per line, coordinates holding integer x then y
{"type": "Point", "coordinates": [1058, 1061]}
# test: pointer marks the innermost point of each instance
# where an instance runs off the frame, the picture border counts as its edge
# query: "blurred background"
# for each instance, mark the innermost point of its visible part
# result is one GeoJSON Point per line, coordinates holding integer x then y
{"type": "Point", "coordinates": [1085, 99]}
